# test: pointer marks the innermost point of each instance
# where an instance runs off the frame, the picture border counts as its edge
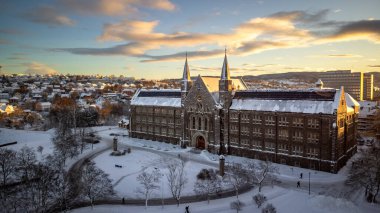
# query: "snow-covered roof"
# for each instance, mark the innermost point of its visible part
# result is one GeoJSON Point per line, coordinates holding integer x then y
{"type": "Point", "coordinates": [309, 102]}
{"type": "Point", "coordinates": [169, 98]}
{"type": "Point", "coordinates": [351, 101]}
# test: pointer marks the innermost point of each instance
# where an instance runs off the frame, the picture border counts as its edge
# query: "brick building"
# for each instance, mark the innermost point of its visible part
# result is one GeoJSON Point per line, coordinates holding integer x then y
{"type": "Point", "coordinates": [314, 128]}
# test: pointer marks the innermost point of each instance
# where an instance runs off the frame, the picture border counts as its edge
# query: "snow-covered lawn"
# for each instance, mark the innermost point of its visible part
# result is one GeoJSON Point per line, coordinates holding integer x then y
{"type": "Point", "coordinates": [285, 201]}
{"type": "Point", "coordinates": [124, 179]}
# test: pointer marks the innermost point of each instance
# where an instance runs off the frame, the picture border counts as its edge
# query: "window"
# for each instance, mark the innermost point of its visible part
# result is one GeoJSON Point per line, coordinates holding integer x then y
{"type": "Point", "coordinates": [269, 133]}
{"type": "Point", "coordinates": [283, 121]}
{"type": "Point", "coordinates": [312, 152]}
{"type": "Point", "coordinates": [143, 128]}
{"type": "Point", "coordinates": [233, 127]}
{"type": "Point", "coordinates": [282, 148]}
{"type": "Point", "coordinates": [256, 144]}
{"type": "Point", "coordinates": [157, 129]}
{"type": "Point", "coordinates": [157, 120]}
{"type": "Point", "coordinates": [233, 116]}
{"type": "Point", "coordinates": [170, 132]}
{"type": "Point", "coordinates": [234, 141]}
{"type": "Point", "coordinates": [256, 119]}
{"type": "Point", "coordinates": [150, 129]}
{"type": "Point", "coordinates": [298, 122]}
{"type": "Point", "coordinates": [245, 142]}
{"type": "Point", "coordinates": [199, 123]}
{"type": "Point", "coordinates": [297, 150]}
{"type": "Point", "coordinates": [269, 146]}
{"type": "Point", "coordinates": [245, 130]}
{"type": "Point", "coordinates": [283, 134]}
{"type": "Point", "coordinates": [313, 123]}
{"type": "Point", "coordinates": [163, 131]}
{"type": "Point", "coordinates": [245, 118]}
{"type": "Point", "coordinates": [297, 136]}
{"type": "Point", "coordinates": [269, 120]}
{"type": "Point", "coordinates": [163, 120]}
{"type": "Point", "coordinates": [193, 123]}
{"type": "Point", "coordinates": [312, 137]}
{"type": "Point", "coordinates": [206, 124]}
{"type": "Point", "coordinates": [256, 131]}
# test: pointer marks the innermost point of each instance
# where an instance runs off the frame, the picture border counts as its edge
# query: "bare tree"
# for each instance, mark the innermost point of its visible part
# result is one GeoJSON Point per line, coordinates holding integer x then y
{"type": "Point", "coordinates": [208, 183]}
{"type": "Point", "coordinates": [96, 183]}
{"type": "Point", "coordinates": [176, 179]}
{"type": "Point", "coordinates": [261, 172]}
{"type": "Point", "coordinates": [269, 208]}
{"type": "Point", "coordinates": [236, 176]}
{"type": "Point", "coordinates": [237, 205]}
{"type": "Point", "coordinates": [259, 200]}
{"type": "Point", "coordinates": [7, 164]}
{"type": "Point", "coordinates": [26, 159]}
{"type": "Point", "coordinates": [149, 182]}
{"type": "Point", "coordinates": [365, 173]}
{"type": "Point", "coordinates": [40, 149]}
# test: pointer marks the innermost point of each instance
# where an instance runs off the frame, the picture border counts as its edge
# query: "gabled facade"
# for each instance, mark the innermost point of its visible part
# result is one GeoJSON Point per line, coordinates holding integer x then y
{"type": "Point", "coordinates": [313, 128]}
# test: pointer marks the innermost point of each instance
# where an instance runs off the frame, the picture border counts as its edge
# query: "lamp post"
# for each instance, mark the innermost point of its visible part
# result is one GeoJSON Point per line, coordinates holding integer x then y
{"type": "Point", "coordinates": [309, 183]}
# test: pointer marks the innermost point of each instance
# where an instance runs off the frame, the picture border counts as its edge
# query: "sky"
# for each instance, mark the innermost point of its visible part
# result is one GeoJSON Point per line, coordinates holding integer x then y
{"type": "Point", "coordinates": [150, 38]}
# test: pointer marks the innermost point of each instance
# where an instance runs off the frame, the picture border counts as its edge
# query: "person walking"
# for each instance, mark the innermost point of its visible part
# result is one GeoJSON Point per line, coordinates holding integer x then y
{"type": "Point", "coordinates": [301, 175]}
{"type": "Point", "coordinates": [187, 209]}
{"type": "Point", "coordinates": [298, 184]}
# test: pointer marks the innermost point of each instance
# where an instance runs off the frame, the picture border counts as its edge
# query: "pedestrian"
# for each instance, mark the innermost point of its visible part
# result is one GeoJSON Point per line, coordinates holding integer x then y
{"type": "Point", "coordinates": [187, 209]}
{"type": "Point", "coordinates": [301, 175]}
{"type": "Point", "coordinates": [298, 184]}
{"type": "Point", "coordinates": [123, 200]}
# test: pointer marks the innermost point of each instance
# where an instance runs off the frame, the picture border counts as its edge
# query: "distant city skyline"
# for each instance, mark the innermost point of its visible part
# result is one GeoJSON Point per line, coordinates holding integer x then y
{"type": "Point", "coordinates": [149, 38]}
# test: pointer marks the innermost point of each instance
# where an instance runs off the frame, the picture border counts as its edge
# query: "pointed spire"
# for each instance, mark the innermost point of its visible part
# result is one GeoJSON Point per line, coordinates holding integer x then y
{"type": "Point", "coordinates": [186, 71]}
{"type": "Point", "coordinates": [225, 69]}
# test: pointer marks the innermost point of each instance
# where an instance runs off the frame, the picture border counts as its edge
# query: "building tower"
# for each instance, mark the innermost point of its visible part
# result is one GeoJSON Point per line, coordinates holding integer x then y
{"type": "Point", "coordinates": [186, 84]}
{"type": "Point", "coordinates": [225, 98]}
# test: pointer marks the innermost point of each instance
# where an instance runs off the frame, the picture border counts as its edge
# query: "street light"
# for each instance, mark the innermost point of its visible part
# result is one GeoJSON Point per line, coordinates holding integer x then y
{"type": "Point", "coordinates": [309, 183]}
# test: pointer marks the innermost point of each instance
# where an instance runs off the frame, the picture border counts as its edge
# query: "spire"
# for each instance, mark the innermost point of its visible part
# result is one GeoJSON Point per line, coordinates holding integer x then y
{"type": "Point", "coordinates": [186, 71]}
{"type": "Point", "coordinates": [225, 69]}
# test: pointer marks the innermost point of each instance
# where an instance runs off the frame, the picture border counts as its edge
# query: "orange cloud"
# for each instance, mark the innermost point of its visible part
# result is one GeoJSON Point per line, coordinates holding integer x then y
{"type": "Point", "coordinates": [115, 7]}
{"type": "Point", "coordinates": [280, 30]}
{"type": "Point", "coordinates": [40, 69]}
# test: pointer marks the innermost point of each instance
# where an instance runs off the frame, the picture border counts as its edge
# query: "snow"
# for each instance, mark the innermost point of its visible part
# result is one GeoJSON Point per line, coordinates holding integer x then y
{"type": "Point", "coordinates": [284, 200]}
{"type": "Point", "coordinates": [157, 101]}
{"type": "Point", "coordinates": [296, 106]}
{"type": "Point", "coordinates": [326, 188]}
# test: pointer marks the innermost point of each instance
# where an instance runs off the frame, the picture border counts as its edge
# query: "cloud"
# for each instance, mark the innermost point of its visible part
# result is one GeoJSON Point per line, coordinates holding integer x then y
{"type": "Point", "coordinates": [357, 30]}
{"type": "Point", "coordinates": [11, 31]}
{"type": "Point", "coordinates": [39, 68]}
{"type": "Point", "coordinates": [4, 41]}
{"type": "Point", "coordinates": [292, 29]}
{"type": "Point", "coordinates": [48, 15]}
{"type": "Point", "coordinates": [374, 65]}
{"type": "Point", "coordinates": [114, 7]}
{"type": "Point", "coordinates": [337, 56]}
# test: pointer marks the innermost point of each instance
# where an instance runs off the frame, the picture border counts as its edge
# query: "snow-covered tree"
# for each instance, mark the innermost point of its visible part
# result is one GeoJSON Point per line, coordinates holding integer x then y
{"type": "Point", "coordinates": [237, 205]}
{"type": "Point", "coordinates": [7, 164]}
{"type": "Point", "coordinates": [208, 183]}
{"type": "Point", "coordinates": [259, 200]}
{"type": "Point", "coordinates": [269, 208]}
{"type": "Point", "coordinates": [261, 172]}
{"type": "Point", "coordinates": [26, 159]}
{"type": "Point", "coordinates": [96, 183]}
{"type": "Point", "coordinates": [236, 176]}
{"type": "Point", "coordinates": [176, 179]}
{"type": "Point", "coordinates": [365, 173]}
{"type": "Point", "coordinates": [149, 182]}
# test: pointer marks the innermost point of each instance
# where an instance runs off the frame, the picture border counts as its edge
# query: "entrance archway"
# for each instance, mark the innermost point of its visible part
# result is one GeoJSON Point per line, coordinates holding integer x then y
{"type": "Point", "coordinates": [200, 142]}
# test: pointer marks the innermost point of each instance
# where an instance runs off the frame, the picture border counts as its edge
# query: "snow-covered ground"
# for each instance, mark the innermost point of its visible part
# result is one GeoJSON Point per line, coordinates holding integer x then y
{"type": "Point", "coordinates": [151, 154]}
{"type": "Point", "coordinates": [285, 201]}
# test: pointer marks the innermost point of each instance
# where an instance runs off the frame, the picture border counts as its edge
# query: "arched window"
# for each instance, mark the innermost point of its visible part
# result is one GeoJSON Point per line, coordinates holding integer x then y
{"type": "Point", "coordinates": [206, 124]}
{"type": "Point", "coordinates": [199, 123]}
{"type": "Point", "coordinates": [193, 122]}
